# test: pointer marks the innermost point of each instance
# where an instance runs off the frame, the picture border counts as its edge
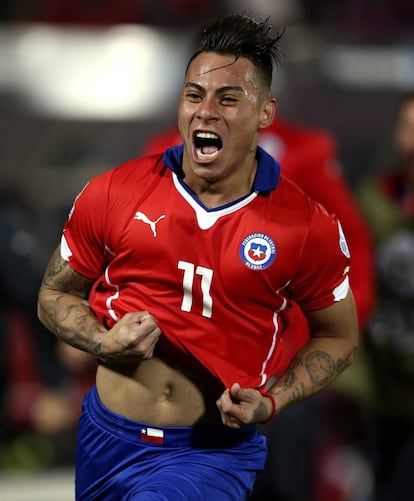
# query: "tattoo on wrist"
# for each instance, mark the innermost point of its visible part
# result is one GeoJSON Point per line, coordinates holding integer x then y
{"type": "Point", "coordinates": [260, 411]}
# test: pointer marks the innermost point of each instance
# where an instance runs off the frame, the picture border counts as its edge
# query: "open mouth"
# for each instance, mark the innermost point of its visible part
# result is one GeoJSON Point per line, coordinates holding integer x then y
{"type": "Point", "coordinates": [207, 146]}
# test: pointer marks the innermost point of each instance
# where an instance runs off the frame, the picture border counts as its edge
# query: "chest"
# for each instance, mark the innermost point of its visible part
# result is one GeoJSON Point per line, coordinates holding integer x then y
{"type": "Point", "coordinates": [247, 248]}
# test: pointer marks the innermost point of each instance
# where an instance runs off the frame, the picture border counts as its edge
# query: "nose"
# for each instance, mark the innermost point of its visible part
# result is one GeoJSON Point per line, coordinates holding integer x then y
{"type": "Point", "coordinates": [207, 111]}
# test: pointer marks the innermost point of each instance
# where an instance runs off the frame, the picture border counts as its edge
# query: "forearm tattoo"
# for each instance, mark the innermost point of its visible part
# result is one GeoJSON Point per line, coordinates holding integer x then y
{"type": "Point", "coordinates": [291, 383]}
{"type": "Point", "coordinates": [64, 309]}
{"type": "Point", "coordinates": [84, 326]}
{"type": "Point", "coordinates": [319, 368]}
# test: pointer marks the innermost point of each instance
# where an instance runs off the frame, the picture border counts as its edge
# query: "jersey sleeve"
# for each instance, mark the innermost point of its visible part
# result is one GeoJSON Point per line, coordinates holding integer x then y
{"type": "Point", "coordinates": [83, 242]}
{"type": "Point", "coordinates": [329, 187]}
{"type": "Point", "coordinates": [324, 264]}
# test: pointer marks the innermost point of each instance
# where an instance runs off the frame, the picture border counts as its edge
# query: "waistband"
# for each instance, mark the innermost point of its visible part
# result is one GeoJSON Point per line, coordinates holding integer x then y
{"type": "Point", "coordinates": [198, 436]}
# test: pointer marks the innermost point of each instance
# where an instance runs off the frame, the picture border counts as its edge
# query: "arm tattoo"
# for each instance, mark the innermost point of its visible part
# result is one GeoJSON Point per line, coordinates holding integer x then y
{"type": "Point", "coordinates": [321, 367]}
{"type": "Point", "coordinates": [64, 309]}
{"type": "Point", "coordinates": [84, 326]}
{"type": "Point", "coordinates": [61, 277]}
{"type": "Point", "coordinates": [291, 383]}
{"type": "Point", "coordinates": [260, 410]}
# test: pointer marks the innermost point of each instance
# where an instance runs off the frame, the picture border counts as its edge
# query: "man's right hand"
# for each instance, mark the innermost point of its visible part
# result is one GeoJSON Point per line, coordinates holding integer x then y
{"type": "Point", "coordinates": [132, 337]}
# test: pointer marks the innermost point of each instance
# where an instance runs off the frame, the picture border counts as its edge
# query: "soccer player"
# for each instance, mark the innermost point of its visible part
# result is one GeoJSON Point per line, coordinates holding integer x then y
{"type": "Point", "coordinates": [308, 157]}
{"type": "Point", "coordinates": [177, 271]}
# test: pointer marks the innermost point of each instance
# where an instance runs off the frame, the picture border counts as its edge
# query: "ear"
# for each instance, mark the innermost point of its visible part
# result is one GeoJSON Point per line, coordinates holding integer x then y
{"type": "Point", "coordinates": [268, 113]}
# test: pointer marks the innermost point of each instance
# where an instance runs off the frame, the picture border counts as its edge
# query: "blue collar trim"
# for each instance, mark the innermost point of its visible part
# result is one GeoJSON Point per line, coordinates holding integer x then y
{"type": "Point", "coordinates": [267, 175]}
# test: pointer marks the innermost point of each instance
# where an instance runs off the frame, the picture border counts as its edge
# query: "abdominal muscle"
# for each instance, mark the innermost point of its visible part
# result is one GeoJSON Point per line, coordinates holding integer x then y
{"type": "Point", "coordinates": [156, 392]}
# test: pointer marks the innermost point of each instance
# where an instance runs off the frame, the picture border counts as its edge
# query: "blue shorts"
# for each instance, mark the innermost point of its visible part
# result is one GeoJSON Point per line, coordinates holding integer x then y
{"type": "Point", "coordinates": [122, 460]}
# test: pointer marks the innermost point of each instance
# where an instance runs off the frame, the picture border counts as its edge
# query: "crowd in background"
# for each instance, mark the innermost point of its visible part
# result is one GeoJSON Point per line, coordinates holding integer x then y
{"type": "Point", "coordinates": [355, 440]}
{"type": "Point", "coordinates": [374, 19]}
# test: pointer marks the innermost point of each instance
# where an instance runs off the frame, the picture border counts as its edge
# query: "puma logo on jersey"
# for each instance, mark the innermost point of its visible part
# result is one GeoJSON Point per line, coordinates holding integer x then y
{"type": "Point", "coordinates": [140, 216]}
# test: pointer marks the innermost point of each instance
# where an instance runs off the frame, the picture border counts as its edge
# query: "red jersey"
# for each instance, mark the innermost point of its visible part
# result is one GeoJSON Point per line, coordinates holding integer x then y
{"type": "Point", "coordinates": [219, 281]}
{"type": "Point", "coordinates": [308, 156]}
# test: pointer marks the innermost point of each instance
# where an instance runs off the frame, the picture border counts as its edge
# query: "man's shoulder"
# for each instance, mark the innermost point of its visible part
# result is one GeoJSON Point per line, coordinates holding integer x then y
{"type": "Point", "coordinates": [122, 183]}
{"type": "Point", "coordinates": [133, 170]}
{"type": "Point", "coordinates": [143, 164]}
{"type": "Point", "coordinates": [292, 189]}
{"type": "Point", "coordinates": [292, 202]}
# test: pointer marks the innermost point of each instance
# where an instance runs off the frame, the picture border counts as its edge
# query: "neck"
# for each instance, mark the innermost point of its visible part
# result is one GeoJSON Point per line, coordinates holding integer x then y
{"type": "Point", "coordinates": [217, 185]}
{"type": "Point", "coordinates": [221, 192]}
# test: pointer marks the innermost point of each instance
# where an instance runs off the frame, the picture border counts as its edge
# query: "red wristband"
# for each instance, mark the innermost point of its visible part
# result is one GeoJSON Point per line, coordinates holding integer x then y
{"type": "Point", "coordinates": [272, 399]}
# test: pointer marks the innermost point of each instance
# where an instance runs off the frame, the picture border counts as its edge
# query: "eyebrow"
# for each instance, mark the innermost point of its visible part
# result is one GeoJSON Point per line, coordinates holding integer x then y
{"type": "Point", "coordinates": [225, 88]}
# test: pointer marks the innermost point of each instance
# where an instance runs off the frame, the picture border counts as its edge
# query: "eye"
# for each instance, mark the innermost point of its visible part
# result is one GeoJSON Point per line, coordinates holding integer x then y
{"type": "Point", "coordinates": [193, 96]}
{"type": "Point", "coordinates": [229, 100]}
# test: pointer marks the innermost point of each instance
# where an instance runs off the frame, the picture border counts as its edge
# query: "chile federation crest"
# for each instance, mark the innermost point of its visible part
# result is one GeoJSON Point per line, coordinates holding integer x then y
{"type": "Point", "coordinates": [257, 251]}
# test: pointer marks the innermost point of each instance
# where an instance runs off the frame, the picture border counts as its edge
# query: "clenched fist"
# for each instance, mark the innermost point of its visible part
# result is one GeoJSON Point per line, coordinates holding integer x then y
{"type": "Point", "coordinates": [134, 336]}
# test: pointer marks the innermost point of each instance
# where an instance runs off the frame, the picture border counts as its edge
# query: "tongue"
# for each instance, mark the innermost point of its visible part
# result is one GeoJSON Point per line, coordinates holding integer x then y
{"type": "Point", "coordinates": [207, 150]}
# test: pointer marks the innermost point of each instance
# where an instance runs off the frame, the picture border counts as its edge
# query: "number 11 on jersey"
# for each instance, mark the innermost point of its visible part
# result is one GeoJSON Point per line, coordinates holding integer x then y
{"type": "Point", "coordinates": [190, 270]}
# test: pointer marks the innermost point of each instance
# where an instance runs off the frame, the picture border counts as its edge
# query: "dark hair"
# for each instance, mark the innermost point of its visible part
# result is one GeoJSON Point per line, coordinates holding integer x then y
{"type": "Point", "coordinates": [242, 36]}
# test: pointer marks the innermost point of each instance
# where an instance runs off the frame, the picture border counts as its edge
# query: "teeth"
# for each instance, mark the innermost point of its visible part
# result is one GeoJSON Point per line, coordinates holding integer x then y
{"type": "Point", "coordinates": [207, 135]}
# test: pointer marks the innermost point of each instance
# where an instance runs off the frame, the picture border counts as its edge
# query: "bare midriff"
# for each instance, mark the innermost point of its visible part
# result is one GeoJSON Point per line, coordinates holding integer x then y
{"type": "Point", "coordinates": [155, 392]}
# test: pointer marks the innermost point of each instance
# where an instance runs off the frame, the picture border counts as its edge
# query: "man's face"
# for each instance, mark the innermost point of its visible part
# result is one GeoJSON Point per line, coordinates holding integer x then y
{"type": "Point", "coordinates": [404, 135]}
{"type": "Point", "coordinates": [221, 109]}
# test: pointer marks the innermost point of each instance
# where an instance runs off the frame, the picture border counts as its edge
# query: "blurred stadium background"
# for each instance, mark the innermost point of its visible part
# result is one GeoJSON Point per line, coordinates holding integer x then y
{"type": "Point", "coordinates": [84, 84]}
